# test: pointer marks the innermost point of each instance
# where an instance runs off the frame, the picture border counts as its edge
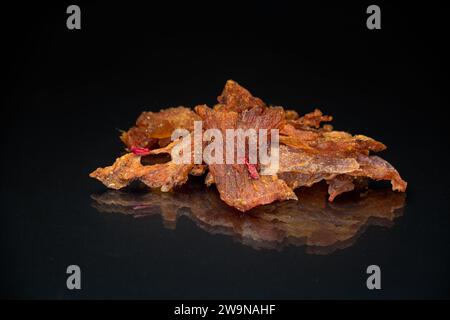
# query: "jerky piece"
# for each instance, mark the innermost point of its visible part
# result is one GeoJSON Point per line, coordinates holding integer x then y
{"type": "Point", "coordinates": [301, 168]}
{"type": "Point", "coordinates": [255, 118]}
{"type": "Point", "coordinates": [297, 160]}
{"type": "Point", "coordinates": [311, 120]}
{"type": "Point", "coordinates": [321, 153]}
{"type": "Point", "coordinates": [304, 136]}
{"type": "Point", "coordinates": [128, 168]}
{"type": "Point", "coordinates": [152, 127]}
{"type": "Point", "coordinates": [125, 169]}
{"type": "Point", "coordinates": [137, 136]}
{"type": "Point", "coordinates": [291, 115]}
{"type": "Point", "coordinates": [296, 179]}
{"type": "Point", "coordinates": [345, 183]}
{"type": "Point", "coordinates": [167, 149]}
{"type": "Point", "coordinates": [236, 98]}
{"type": "Point", "coordinates": [237, 189]}
{"type": "Point", "coordinates": [261, 118]}
{"type": "Point", "coordinates": [325, 227]}
{"type": "Point", "coordinates": [198, 170]}
{"type": "Point", "coordinates": [377, 168]}
{"type": "Point", "coordinates": [234, 183]}
{"type": "Point", "coordinates": [338, 185]}
{"type": "Point", "coordinates": [335, 143]}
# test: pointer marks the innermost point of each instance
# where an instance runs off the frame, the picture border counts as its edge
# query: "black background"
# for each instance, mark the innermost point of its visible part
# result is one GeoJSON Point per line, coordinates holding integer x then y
{"type": "Point", "coordinates": [68, 91]}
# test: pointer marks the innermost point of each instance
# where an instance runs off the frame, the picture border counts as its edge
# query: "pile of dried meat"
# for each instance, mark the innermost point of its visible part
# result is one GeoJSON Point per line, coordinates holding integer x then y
{"type": "Point", "coordinates": [309, 152]}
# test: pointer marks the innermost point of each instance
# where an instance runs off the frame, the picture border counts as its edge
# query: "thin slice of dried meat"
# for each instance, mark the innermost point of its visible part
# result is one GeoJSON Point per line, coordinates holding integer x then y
{"type": "Point", "coordinates": [128, 168]}
{"type": "Point", "coordinates": [236, 98]}
{"type": "Point", "coordinates": [198, 170]}
{"type": "Point", "coordinates": [340, 142]}
{"type": "Point", "coordinates": [300, 168]}
{"type": "Point", "coordinates": [377, 168]}
{"type": "Point", "coordinates": [166, 176]}
{"type": "Point", "coordinates": [234, 183]}
{"type": "Point", "coordinates": [238, 190]}
{"type": "Point", "coordinates": [152, 127]}
{"type": "Point", "coordinates": [125, 169]}
{"type": "Point", "coordinates": [209, 180]}
{"type": "Point", "coordinates": [334, 143]}
{"type": "Point", "coordinates": [297, 160]}
{"type": "Point", "coordinates": [311, 120]}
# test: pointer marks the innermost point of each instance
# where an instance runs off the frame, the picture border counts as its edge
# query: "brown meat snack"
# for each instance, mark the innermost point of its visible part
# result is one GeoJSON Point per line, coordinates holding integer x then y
{"type": "Point", "coordinates": [128, 168]}
{"type": "Point", "coordinates": [309, 153]}
{"type": "Point", "coordinates": [299, 167]}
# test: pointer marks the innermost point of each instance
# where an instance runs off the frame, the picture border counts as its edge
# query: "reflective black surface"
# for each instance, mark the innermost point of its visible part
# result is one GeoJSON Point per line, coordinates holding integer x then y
{"type": "Point", "coordinates": [69, 92]}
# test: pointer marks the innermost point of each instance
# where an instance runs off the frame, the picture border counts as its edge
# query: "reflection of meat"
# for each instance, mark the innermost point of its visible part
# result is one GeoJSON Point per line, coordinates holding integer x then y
{"type": "Point", "coordinates": [309, 153]}
{"type": "Point", "coordinates": [312, 221]}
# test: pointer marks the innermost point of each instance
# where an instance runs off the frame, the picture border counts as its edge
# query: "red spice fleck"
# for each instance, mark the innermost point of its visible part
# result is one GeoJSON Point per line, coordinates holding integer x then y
{"type": "Point", "coordinates": [140, 151]}
{"type": "Point", "coordinates": [251, 169]}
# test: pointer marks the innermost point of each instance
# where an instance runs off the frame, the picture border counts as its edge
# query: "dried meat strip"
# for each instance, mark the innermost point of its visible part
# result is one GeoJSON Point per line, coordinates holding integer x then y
{"type": "Point", "coordinates": [239, 190]}
{"type": "Point", "coordinates": [299, 168]}
{"type": "Point", "coordinates": [236, 98]}
{"type": "Point", "coordinates": [311, 120]}
{"type": "Point", "coordinates": [309, 152]}
{"type": "Point", "coordinates": [323, 226]}
{"type": "Point", "coordinates": [334, 143]}
{"type": "Point", "coordinates": [235, 184]}
{"type": "Point", "coordinates": [339, 184]}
